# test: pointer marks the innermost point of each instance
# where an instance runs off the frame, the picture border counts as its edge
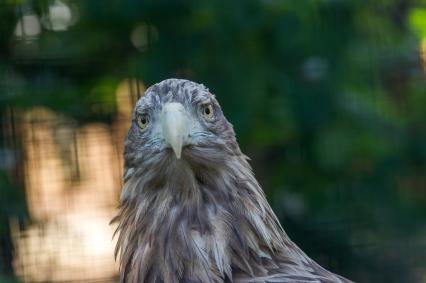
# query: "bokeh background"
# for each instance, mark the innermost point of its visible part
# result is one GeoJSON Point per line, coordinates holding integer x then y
{"type": "Point", "coordinates": [328, 98]}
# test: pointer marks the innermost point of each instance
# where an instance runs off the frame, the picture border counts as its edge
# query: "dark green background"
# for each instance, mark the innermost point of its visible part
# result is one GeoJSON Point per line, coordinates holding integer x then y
{"type": "Point", "coordinates": [328, 98]}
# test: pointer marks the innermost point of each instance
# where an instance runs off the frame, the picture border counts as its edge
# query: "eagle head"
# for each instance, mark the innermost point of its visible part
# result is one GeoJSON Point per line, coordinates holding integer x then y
{"type": "Point", "coordinates": [178, 127]}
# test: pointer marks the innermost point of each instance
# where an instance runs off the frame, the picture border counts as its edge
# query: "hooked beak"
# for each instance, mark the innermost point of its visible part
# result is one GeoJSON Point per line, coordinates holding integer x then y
{"type": "Point", "coordinates": [174, 123]}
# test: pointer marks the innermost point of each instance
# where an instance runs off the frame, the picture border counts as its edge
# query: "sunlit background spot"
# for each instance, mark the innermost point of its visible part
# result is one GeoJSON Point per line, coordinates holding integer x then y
{"type": "Point", "coordinates": [72, 185]}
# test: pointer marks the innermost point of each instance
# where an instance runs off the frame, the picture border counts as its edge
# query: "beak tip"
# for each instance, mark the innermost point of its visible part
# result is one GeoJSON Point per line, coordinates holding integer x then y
{"type": "Point", "coordinates": [178, 151]}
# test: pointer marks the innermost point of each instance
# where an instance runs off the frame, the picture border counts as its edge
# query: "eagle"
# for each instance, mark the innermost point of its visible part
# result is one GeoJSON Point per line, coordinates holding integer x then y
{"type": "Point", "coordinates": [191, 209]}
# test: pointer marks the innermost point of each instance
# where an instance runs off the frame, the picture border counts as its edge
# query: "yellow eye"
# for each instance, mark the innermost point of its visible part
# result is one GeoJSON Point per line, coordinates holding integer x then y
{"type": "Point", "coordinates": [208, 112]}
{"type": "Point", "coordinates": [143, 121]}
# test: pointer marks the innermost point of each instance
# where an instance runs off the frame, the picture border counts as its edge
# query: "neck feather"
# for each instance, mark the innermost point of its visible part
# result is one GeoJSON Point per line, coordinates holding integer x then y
{"type": "Point", "coordinates": [197, 226]}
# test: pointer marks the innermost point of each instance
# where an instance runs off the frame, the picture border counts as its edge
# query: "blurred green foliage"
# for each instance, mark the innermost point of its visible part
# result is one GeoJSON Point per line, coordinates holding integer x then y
{"type": "Point", "coordinates": [328, 97]}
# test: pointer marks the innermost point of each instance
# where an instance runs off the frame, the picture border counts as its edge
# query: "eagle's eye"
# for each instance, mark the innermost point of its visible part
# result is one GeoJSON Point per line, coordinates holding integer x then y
{"type": "Point", "coordinates": [143, 121]}
{"type": "Point", "coordinates": [208, 112]}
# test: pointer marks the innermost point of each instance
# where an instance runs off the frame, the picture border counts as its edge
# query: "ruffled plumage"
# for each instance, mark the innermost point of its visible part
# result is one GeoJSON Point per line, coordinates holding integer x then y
{"type": "Point", "coordinates": [204, 217]}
